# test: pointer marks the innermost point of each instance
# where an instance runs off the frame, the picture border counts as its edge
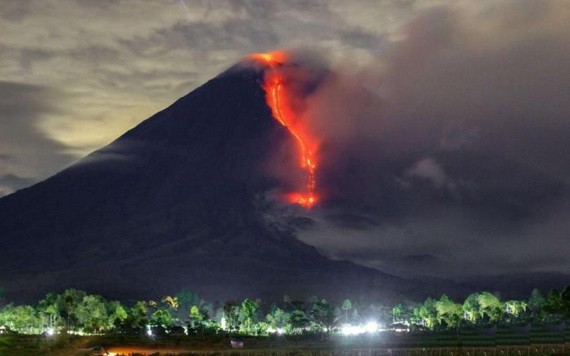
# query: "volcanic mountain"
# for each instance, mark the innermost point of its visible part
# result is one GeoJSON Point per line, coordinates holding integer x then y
{"type": "Point", "coordinates": [173, 203]}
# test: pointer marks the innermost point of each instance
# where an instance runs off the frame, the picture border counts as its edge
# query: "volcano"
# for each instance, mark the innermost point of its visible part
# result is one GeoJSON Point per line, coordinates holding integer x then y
{"type": "Point", "coordinates": [174, 203]}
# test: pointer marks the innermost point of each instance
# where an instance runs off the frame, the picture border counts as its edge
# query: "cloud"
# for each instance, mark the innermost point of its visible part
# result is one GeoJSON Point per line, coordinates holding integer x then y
{"type": "Point", "coordinates": [10, 183]}
{"type": "Point", "coordinates": [15, 11]}
{"type": "Point", "coordinates": [25, 152]}
{"type": "Point", "coordinates": [428, 169]}
{"type": "Point", "coordinates": [452, 145]}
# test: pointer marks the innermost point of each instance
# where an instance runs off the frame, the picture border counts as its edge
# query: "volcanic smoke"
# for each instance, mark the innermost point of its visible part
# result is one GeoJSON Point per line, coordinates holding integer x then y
{"type": "Point", "coordinates": [279, 101]}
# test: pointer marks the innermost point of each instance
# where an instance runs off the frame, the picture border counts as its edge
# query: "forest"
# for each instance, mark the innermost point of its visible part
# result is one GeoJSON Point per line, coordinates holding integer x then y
{"type": "Point", "coordinates": [185, 313]}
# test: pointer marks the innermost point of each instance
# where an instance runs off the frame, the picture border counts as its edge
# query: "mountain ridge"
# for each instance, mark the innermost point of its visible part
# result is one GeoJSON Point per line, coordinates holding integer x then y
{"type": "Point", "coordinates": [173, 204]}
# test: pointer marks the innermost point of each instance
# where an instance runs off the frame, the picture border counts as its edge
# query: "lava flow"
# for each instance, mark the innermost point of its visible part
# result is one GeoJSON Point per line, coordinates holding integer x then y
{"type": "Point", "coordinates": [278, 101]}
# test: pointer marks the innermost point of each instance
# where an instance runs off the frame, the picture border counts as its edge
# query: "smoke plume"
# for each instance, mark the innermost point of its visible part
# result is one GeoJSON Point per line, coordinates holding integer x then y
{"type": "Point", "coordinates": [449, 153]}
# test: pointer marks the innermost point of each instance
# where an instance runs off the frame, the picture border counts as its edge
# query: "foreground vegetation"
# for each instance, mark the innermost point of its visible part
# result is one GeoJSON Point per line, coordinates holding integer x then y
{"type": "Point", "coordinates": [540, 341]}
{"type": "Point", "coordinates": [77, 312]}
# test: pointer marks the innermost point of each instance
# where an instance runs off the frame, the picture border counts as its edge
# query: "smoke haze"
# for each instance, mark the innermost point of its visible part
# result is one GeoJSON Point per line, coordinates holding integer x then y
{"type": "Point", "coordinates": [448, 154]}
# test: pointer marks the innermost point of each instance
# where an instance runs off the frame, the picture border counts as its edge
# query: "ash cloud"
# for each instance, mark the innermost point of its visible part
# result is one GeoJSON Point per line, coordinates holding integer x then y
{"type": "Point", "coordinates": [449, 154]}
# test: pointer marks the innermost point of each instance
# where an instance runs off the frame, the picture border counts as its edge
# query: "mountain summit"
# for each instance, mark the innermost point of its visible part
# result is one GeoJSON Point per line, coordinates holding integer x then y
{"type": "Point", "coordinates": [172, 204]}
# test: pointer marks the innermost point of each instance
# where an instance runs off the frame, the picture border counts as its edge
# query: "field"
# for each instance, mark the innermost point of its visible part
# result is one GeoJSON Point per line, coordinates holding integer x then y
{"type": "Point", "coordinates": [538, 341]}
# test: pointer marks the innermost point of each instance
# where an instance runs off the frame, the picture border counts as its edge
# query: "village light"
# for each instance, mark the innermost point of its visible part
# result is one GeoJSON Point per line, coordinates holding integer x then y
{"type": "Point", "coordinates": [348, 329]}
{"type": "Point", "coordinates": [370, 328]}
{"type": "Point", "coordinates": [278, 331]}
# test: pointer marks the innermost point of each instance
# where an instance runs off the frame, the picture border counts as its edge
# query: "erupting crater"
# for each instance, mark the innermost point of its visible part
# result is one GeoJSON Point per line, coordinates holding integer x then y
{"type": "Point", "coordinates": [280, 102]}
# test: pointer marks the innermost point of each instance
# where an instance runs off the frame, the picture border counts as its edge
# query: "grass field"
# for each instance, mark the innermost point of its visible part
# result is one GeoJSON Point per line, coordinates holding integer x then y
{"type": "Point", "coordinates": [469, 342]}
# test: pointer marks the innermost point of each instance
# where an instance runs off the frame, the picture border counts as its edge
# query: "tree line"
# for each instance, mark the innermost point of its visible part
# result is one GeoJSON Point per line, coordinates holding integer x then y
{"type": "Point", "coordinates": [76, 311]}
{"type": "Point", "coordinates": [485, 309]}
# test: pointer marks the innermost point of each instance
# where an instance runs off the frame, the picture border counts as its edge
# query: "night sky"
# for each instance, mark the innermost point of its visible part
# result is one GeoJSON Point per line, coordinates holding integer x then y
{"type": "Point", "coordinates": [445, 124]}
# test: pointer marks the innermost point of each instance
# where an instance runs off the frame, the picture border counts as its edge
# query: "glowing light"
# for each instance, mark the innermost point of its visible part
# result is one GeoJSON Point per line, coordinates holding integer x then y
{"type": "Point", "coordinates": [148, 331]}
{"type": "Point", "coordinates": [348, 329]}
{"type": "Point", "coordinates": [278, 331]}
{"type": "Point", "coordinates": [50, 332]}
{"type": "Point", "coordinates": [276, 98]}
{"type": "Point", "coordinates": [370, 328]}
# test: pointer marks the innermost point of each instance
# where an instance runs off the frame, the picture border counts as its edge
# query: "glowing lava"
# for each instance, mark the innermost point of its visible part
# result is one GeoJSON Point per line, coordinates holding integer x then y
{"type": "Point", "coordinates": [282, 109]}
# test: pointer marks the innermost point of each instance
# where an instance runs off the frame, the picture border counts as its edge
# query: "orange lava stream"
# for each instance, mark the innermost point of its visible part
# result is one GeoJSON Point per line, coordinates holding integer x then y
{"type": "Point", "coordinates": [307, 145]}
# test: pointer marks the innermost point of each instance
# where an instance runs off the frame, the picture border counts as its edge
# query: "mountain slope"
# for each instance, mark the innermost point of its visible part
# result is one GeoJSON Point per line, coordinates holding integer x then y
{"type": "Point", "coordinates": [169, 205]}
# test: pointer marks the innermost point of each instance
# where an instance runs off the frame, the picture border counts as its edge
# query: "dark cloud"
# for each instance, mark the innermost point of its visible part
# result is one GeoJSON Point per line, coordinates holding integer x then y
{"type": "Point", "coordinates": [163, 80]}
{"type": "Point", "coordinates": [96, 54]}
{"type": "Point", "coordinates": [28, 56]}
{"type": "Point", "coordinates": [360, 39]}
{"type": "Point", "coordinates": [15, 10]}
{"type": "Point", "coordinates": [26, 152]}
{"type": "Point", "coordinates": [10, 183]}
{"type": "Point", "coordinates": [231, 34]}
{"type": "Point", "coordinates": [102, 4]}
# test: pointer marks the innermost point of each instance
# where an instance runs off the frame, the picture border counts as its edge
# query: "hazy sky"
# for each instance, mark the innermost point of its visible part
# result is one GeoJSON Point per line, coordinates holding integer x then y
{"type": "Point", "coordinates": [466, 139]}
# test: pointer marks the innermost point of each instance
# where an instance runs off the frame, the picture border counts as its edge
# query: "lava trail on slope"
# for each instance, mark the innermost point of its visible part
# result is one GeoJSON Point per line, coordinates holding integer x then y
{"type": "Point", "coordinates": [279, 101]}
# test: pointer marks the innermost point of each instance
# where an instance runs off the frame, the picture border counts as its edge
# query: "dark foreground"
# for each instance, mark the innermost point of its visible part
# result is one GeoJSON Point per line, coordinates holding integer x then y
{"type": "Point", "coordinates": [502, 342]}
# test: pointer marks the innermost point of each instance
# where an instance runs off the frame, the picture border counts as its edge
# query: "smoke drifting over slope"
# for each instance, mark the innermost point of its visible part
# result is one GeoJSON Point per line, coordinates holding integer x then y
{"type": "Point", "coordinates": [287, 84]}
{"type": "Point", "coordinates": [449, 155]}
